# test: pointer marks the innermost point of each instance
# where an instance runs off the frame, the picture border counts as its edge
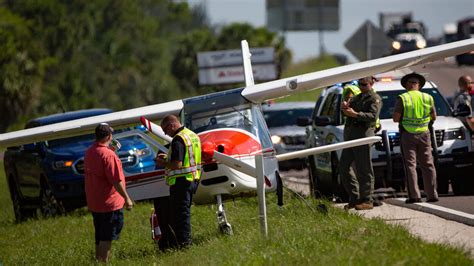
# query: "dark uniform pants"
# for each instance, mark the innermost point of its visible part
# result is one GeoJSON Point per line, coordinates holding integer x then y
{"type": "Point", "coordinates": [163, 212]}
{"type": "Point", "coordinates": [417, 147]}
{"type": "Point", "coordinates": [360, 187]}
{"type": "Point", "coordinates": [181, 196]}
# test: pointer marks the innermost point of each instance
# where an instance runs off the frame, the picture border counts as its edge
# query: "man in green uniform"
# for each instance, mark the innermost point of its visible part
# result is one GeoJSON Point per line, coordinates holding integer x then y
{"type": "Point", "coordinates": [415, 110]}
{"type": "Point", "coordinates": [362, 113]}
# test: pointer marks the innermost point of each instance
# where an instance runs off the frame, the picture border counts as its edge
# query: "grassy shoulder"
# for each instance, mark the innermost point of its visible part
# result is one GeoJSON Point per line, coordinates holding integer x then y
{"type": "Point", "coordinates": [297, 235]}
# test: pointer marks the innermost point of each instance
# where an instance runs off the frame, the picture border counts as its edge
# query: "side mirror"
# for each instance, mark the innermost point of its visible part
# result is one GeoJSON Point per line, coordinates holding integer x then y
{"type": "Point", "coordinates": [462, 110]}
{"type": "Point", "coordinates": [303, 121]}
{"type": "Point", "coordinates": [323, 121]}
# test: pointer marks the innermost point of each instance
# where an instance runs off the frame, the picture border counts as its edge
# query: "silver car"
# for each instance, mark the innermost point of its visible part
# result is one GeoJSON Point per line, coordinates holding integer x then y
{"type": "Point", "coordinates": [286, 135]}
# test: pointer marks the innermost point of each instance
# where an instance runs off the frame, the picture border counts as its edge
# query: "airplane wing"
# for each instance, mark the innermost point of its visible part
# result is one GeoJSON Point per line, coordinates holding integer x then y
{"type": "Point", "coordinates": [283, 87]}
{"type": "Point", "coordinates": [87, 125]}
{"type": "Point", "coordinates": [255, 93]}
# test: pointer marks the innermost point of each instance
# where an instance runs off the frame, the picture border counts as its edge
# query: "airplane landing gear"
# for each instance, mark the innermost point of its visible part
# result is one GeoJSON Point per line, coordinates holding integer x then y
{"type": "Point", "coordinates": [224, 226]}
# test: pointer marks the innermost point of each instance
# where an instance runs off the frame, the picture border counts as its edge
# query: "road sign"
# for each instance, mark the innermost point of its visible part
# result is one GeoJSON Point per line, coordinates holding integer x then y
{"type": "Point", "coordinates": [224, 67]}
{"type": "Point", "coordinates": [368, 42]}
{"type": "Point", "coordinates": [302, 15]}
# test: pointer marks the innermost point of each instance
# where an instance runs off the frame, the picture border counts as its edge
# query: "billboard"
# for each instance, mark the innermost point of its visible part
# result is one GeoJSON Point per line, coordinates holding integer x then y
{"type": "Point", "coordinates": [302, 15]}
{"type": "Point", "coordinates": [224, 67]}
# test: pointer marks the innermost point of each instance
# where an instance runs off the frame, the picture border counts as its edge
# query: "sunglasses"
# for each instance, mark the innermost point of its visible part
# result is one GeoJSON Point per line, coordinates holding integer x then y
{"type": "Point", "coordinates": [363, 84]}
{"type": "Point", "coordinates": [413, 82]}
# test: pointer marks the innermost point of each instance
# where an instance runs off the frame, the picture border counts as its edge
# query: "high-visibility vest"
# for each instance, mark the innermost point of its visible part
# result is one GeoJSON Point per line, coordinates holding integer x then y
{"type": "Point", "coordinates": [191, 165]}
{"type": "Point", "coordinates": [416, 111]}
{"type": "Point", "coordinates": [352, 89]}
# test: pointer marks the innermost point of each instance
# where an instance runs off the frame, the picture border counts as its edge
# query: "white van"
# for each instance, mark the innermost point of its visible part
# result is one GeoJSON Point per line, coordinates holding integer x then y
{"type": "Point", "coordinates": [455, 158]}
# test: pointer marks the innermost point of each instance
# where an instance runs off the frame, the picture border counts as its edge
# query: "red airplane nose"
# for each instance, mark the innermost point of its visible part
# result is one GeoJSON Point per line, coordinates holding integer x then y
{"type": "Point", "coordinates": [208, 148]}
{"type": "Point", "coordinates": [225, 146]}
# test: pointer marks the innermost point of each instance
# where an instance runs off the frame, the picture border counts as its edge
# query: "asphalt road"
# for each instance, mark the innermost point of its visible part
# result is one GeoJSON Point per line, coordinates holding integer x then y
{"type": "Point", "coordinates": [298, 180]}
{"type": "Point", "coordinates": [444, 74]}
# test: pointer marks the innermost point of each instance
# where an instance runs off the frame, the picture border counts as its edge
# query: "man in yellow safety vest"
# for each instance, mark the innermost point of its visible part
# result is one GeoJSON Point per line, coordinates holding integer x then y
{"type": "Point", "coordinates": [183, 170]}
{"type": "Point", "coordinates": [415, 110]}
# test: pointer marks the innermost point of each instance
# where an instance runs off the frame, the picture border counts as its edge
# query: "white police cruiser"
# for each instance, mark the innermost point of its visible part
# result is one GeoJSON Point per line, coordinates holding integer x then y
{"type": "Point", "coordinates": [454, 157]}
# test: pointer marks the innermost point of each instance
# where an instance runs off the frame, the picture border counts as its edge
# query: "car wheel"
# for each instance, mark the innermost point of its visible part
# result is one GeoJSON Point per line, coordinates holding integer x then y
{"type": "Point", "coordinates": [50, 206]}
{"type": "Point", "coordinates": [16, 205]}
{"type": "Point", "coordinates": [21, 214]}
{"type": "Point", "coordinates": [442, 183]}
{"type": "Point", "coordinates": [337, 188]}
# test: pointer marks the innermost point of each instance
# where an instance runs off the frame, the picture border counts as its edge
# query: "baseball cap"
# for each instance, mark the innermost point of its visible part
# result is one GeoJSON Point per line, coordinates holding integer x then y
{"type": "Point", "coordinates": [103, 130]}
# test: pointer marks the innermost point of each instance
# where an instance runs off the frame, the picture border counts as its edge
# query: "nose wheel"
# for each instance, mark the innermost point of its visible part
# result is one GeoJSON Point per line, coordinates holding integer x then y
{"type": "Point", "coordinates": [224, 227]}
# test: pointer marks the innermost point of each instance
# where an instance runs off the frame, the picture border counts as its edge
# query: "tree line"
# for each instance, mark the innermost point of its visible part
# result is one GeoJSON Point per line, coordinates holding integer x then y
{"type": "Point", "coordinates": [64, 55]}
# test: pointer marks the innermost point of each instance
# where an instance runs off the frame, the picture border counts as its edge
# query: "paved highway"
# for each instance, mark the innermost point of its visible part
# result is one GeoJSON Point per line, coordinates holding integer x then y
{"type": "Point", "coordinates": [445, 74]}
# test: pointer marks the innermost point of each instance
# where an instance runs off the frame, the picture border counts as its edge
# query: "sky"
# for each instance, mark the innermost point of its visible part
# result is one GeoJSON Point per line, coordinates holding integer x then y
{"type": "Point", "coordinates": [352, 14]}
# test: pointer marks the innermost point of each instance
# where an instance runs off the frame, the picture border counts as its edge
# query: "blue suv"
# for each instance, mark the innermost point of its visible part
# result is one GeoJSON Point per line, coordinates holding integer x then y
{"type": "Point", "coordinates": [48, 175]}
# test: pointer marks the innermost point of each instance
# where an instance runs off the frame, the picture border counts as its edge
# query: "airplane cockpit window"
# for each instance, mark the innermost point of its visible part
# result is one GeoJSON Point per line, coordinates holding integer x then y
{"type": "Point", "coordinates": [261, 126]}
{"type": "Point", "coordinates": [232, 117]}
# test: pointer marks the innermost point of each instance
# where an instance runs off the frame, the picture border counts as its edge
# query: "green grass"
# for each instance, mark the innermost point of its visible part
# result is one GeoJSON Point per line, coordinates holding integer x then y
{"type": "Point", "coordinates": [297, 235]}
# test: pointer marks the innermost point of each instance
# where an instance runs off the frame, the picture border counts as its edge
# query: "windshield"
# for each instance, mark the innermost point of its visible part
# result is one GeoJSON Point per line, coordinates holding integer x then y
{"type": "Point", "coordinates": [389, 97]}
{"type": "Point", "coordinates": [281, 118]}
{"type": "Point", "coordinates": [233, 117]}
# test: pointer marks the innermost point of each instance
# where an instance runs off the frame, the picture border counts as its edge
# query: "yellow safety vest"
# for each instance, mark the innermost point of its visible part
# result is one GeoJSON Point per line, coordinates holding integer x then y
{"type": "Point", "coordinates": [191, 166]}
{"type": "Point", "coordinates": [353, 89]}
{"type": "Point", "coordinates": [416, 111]}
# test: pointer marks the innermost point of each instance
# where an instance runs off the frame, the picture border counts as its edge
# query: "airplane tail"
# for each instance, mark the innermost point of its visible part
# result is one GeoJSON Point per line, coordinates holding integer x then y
{"type": "Point", "coordinates": [248, 72]}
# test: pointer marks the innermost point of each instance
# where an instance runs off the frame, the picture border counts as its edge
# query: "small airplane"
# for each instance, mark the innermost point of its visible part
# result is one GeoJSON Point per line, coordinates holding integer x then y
{"type": "Point", "coordinates": [230, 125]}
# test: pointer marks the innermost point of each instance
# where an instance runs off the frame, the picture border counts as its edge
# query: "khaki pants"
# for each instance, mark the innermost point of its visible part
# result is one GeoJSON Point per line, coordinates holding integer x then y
{"type": "Point", "coordinates": [417, 147]}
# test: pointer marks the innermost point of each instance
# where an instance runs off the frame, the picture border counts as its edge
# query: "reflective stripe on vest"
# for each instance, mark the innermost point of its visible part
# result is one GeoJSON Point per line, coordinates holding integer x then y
{"type": "Point", "coordinates": [191, 165]}
{"type": "Point", "coordinates": [416, 111]}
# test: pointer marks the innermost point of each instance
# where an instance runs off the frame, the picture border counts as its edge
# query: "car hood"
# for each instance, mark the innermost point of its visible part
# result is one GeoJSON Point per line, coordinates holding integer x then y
{"type": "Point", "coordinates": [79, 148]}
{"type": "Point", "coordinates": [442, 122]}
{"type": "Point", "coordinates": [288, 131]}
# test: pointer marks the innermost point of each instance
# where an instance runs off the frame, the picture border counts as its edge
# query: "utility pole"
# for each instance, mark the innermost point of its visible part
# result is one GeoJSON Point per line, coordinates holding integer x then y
{"type": "Point", "coordinates": [322, 50]}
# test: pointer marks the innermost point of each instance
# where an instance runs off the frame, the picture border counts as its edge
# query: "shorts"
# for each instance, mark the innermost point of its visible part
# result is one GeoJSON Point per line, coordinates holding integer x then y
{"type": "Point", "coordinates": [108, 225]}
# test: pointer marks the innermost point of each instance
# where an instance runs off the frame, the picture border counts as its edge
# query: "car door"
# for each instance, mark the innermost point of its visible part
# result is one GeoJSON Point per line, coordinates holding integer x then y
{"type": "Point", "coordinates": [330, 132]}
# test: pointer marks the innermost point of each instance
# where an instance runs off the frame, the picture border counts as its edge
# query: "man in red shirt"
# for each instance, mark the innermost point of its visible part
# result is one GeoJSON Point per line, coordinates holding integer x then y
{"type": "Point", "coordinates": [105, 191]}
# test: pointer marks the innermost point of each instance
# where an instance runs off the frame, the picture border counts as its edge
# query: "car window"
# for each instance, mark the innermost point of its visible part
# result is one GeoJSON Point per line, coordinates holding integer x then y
{"type": "Point", "coordinates": [331, 107]}
{"type": "Point", "coordinates": [389, 98]}
{"type": "Point", "coordinates": [281, 118]}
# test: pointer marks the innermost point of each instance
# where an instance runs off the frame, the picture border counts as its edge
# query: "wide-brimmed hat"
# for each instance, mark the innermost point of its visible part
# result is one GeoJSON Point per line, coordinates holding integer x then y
{"type": "Point", "coordinates": [419, 77]}
{"type": "Point", "coordinates": [103, 130]}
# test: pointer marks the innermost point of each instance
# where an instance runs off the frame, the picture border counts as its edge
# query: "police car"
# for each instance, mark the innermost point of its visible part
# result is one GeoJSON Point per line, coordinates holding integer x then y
{"type": "Point", "coordinates": [454, 158]}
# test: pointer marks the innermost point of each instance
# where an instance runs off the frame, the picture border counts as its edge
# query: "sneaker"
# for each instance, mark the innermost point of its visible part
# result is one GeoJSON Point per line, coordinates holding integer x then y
{"type": "Point", "coordinates": [408, 201]}
{"type": "Point", "coordinates": [349, 206]}
{"type": "Point", "coordinates": [432, 200]}
{"type": "Point", "coordinates": [364, 206]}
